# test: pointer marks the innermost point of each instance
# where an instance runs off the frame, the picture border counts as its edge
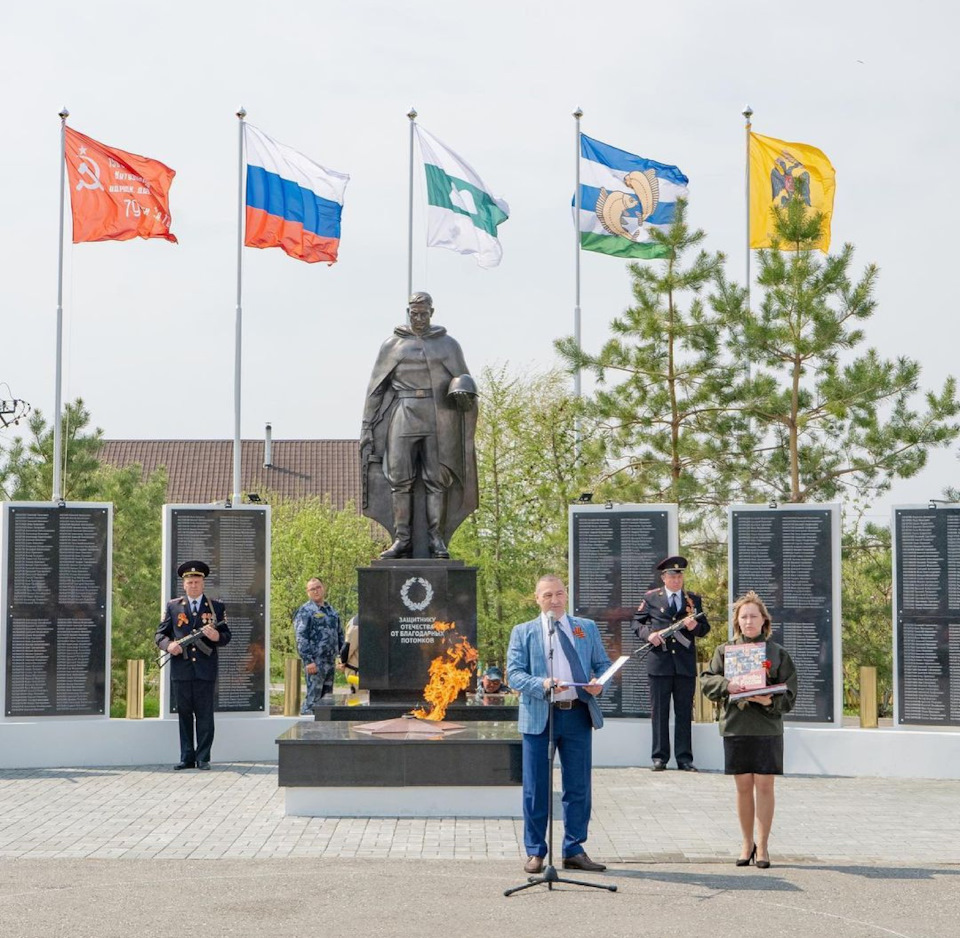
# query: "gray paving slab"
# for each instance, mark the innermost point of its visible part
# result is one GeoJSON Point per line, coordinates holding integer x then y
{"type": "Point", "coordinates": [108, 852]}
{"type": "Point", "coordinates": [638, 817]}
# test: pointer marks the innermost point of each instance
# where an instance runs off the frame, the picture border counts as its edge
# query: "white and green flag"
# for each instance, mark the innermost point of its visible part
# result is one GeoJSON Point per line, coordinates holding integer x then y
{"type": "Point", "coordinates": [462, 213]}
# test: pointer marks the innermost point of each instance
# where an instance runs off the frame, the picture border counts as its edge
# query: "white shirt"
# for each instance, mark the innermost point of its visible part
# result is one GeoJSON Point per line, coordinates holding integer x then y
{"type": "Point", "coordinates": [561, 667]}
{"type": "Point", "coordinates": [198, 601]}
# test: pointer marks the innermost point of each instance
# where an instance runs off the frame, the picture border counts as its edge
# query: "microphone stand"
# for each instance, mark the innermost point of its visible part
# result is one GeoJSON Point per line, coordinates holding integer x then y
{"type": "Point", "coordinates": [549, 876]}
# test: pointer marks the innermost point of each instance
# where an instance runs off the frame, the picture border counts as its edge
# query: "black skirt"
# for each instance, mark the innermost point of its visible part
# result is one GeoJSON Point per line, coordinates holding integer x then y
{"type": "Point", "coordinates": [760, 755]}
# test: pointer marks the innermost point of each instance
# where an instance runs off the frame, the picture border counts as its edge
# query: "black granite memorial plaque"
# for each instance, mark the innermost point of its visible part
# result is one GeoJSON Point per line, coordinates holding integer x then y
{"type": "Point", "coordinates": [786, 556]}
{"type": "Point", "coordinates": [613, 556]}
{"type": "Point", "coordinates": [399, 603]}
{"type": "Point", "coordinates": [234, 543]}
{"type": "Point", "coordinates": [927, 584]}
{"type": "Point", "coordinates": [57, 581]}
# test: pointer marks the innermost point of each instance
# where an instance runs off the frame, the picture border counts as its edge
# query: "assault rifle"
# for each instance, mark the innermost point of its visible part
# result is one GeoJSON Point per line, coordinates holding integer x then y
{"type": "Point", "coordinates": [674, 630]}
{"type": "Point", "coordinates": [196, 637]}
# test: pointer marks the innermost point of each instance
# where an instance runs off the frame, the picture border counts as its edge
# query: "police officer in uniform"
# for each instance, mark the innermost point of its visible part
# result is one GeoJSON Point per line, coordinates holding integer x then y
{"type": "Point", "coordinates": [193, 669]}
{"type": "Point", "coordinates": [671, 662]}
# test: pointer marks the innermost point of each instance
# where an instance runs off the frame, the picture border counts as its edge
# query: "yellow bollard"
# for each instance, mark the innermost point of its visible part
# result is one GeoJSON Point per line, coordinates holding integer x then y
{"type": "Point", "coordinates": [868, 698]}
{"type": "Point", "coordinates": [292, 670]}
{"type": "Point", "coordinates": [135, 689]}
{"type": "Point", "coordinates": [703, 707]}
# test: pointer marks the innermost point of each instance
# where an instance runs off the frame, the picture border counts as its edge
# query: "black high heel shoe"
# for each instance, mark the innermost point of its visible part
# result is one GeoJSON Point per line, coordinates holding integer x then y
{"type": "Point", "coordinates": [763, 864]}
{"type": "Point", "coordinates": [746, 861]}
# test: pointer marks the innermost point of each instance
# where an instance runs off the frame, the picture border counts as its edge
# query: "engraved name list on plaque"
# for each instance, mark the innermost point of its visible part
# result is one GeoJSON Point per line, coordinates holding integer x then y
{"type": "Point", "coordinates": [613, 556]}
{"type": "Point", "coordinates": [235, 542]}
{"type": "Point", "coordinates": [926, 552]}
{"type": "Point", "coordinates": [56, 609]}
{"type": "Point", "coordinates": [790, 556]}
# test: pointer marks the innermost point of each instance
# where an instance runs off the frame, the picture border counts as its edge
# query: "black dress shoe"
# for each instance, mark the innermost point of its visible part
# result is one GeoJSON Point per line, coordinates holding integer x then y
{"type": "Point", "coordinates": [203, 766]}
{"type": "Point", "coordinates": [184, 765]}
{"type": "Point", "coordinates": [533, 865]}
{"type": "Point", "coordinates": [689, 767]}
{"type": "Point", "coordinates": [580, 861]}
{"type": "Point", "coordinates": [658, 765]}
{"type": "Point", "coordinates": [763, 864]}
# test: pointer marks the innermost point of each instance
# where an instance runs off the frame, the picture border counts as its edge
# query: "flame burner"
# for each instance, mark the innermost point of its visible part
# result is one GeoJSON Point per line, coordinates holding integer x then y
{"type": "Point", "coordinates": [410, 726]}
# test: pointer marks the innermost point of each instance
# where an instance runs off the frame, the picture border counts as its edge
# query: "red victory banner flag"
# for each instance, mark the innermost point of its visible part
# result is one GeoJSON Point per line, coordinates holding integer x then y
{"type": "Point", "coordinates": [116, 195]}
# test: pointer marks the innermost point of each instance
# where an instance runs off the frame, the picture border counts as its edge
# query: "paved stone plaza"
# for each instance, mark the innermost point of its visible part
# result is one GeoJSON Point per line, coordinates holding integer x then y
{"type": "Point", "coordinates": [853, 858]}
{"type": "Point", "coordinates": [638, 817]}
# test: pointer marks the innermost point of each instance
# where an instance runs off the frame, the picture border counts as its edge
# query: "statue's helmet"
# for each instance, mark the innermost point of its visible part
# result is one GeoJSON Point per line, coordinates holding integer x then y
{"type": "Point", "coordinates": [420, 298]}
{"type": "Point", "coordinates": [463, 384]}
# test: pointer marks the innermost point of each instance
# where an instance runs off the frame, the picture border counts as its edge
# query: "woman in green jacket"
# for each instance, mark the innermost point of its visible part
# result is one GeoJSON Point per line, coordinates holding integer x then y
{"type": "Point", "coordinates": [752, 729]}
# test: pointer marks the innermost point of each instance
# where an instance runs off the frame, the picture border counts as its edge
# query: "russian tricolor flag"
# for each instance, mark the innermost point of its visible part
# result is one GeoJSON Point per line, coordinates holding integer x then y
{"type": "Point", "coordinates": [292, 202]}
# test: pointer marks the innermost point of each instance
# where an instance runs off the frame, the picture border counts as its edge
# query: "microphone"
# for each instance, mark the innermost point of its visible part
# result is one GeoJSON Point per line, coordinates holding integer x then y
{"type": "Point", "coordinates": [551, 622]}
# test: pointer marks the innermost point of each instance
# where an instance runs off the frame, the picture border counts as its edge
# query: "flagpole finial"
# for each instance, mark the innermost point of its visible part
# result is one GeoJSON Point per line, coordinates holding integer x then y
{"type": "Point", "coordinates": [748, 112]}
{"type": "Point", "coordinates": [412, 113]}
{"type": "Point", "coordinates": [578, 113]}
{"type": "Point", "coordinates": [242, 113]}
{"type": "Point", "coordinates": [64, 113]}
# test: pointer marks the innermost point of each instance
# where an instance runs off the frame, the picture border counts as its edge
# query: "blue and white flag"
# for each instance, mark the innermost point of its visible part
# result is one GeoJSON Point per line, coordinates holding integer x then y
{"type": "Point", "coordinates": [623, 196]}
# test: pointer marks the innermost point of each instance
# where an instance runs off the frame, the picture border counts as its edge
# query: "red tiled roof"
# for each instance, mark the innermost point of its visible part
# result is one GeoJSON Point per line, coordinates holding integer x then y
{"type": "Point", "coordinates": [201, 471]}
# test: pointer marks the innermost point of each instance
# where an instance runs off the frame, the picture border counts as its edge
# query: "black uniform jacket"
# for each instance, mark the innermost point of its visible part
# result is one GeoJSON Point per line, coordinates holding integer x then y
{"type": "Point", "coordinates": [178, 622]}
{"type": "Point", "coordinates": [652, 616]}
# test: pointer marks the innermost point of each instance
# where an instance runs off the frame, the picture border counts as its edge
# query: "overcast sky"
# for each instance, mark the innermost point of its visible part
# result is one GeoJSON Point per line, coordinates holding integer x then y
{"type": "Point", "coordinates": [148, 337]}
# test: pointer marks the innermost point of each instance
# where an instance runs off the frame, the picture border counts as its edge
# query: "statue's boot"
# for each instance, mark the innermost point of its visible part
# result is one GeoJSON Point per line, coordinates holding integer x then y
{"type": "Point", "coordinates": [435, 505]}
{"type": "Point", "coordinates": [402, 512]}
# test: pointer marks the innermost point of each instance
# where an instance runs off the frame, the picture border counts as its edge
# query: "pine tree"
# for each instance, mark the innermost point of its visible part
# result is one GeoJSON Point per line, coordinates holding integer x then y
{"type": "Point", "coordinates": [665, 397]}
{"type": "Point", "coordinates": [831, 422]}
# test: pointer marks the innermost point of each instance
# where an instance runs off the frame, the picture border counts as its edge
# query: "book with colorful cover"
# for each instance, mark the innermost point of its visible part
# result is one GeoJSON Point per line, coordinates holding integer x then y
{"type": "Point", "coordinates": [744, 664]}
{"type": "Point", "coordinates": [747, 664]}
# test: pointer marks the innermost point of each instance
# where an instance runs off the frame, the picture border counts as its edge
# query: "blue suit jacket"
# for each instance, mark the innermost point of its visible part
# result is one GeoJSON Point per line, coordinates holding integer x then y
{"type": "Point", "coordinates": [527, 668]}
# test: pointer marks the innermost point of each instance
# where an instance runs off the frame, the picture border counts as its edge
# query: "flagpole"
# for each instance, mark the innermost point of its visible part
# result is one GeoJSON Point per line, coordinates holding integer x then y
{"type": "Point", "coordinates": [577, 114]}
{"type": "Point", "coordinates": [237, 495]}
{"type": "Point", "coordinates": [747, 114]}
{"type": "Point", "coordinates": [57, 494]}
{"type": "Point", "coordinates": [412, 115]}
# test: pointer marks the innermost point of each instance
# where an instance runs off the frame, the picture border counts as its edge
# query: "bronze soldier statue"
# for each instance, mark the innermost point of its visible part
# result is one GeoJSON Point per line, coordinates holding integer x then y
{"type": "Point", "coordinates": [418, 422]}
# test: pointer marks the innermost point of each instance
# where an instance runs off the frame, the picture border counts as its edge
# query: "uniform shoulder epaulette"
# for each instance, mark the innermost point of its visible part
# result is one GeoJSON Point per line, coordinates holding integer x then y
{"type": "Point", "coordinates": [178, 599]}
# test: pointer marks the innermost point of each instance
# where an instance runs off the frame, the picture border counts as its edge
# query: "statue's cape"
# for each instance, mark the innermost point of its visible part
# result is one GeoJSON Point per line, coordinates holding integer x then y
{"type": "Point", "coordinates": [455, 429]}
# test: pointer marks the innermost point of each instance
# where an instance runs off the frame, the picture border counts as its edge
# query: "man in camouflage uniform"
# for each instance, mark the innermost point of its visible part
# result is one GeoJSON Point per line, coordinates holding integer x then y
{"type": "Point", "coordinates": [319, 639]}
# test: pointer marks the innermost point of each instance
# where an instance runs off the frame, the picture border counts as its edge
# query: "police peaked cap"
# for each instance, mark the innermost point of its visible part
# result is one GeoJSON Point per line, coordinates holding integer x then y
{"type": "Point", "coordinates": [193, 568]}
{"type": "Point", "coordinates": [672, 565]}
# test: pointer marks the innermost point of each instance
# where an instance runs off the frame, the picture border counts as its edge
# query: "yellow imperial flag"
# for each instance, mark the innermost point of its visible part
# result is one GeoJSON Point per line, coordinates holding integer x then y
{"type": "Point", "coordinates": [777, 170]}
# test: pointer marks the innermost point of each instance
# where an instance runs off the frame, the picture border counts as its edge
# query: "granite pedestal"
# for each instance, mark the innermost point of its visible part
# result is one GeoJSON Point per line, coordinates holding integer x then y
{"type": "Point", "coordinates": [330, 769]}
{"type": "Point", "coordinates": [399, 603]}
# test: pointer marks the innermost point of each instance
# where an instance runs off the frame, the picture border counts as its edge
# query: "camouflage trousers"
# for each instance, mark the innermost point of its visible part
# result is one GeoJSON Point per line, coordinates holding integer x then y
{"type": "Point", "coordinates": [318, 685]}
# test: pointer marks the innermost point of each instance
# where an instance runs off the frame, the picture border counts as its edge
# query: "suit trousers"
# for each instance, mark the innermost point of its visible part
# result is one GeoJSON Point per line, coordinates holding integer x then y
{"type": "Point", "coordinates": [195, 704]}
{"type": "Point", "coordinates": [680, 689]}
{"type": "Point", "coordinates": [573, 733]}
